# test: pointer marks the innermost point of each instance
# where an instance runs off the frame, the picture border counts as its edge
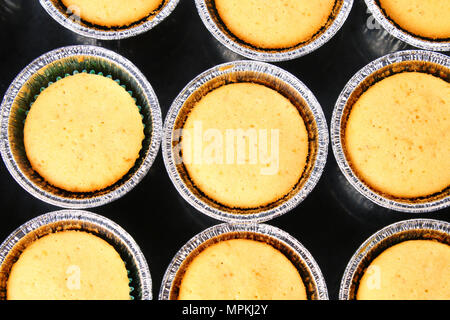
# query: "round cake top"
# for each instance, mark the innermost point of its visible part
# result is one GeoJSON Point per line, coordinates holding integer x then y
{"type": "Point", "coordinates": [241, 269]}
{"type": "Point", "coordinates": [397, 136]}
{"type": "Point", "coordinates": [274, 24]}
{"type": "Point", "coordinates": [83, 133]}
{"type": "Point", "coordinates": [244, 145]}
{"type": "Point", "coordinates": [112, 13]}
{"type": "Point", "coordinates": [69, 265]}
{"type": "Point", "coordinates": [426, 18]}
{"type": "Point", "coordinates": [410, 270]}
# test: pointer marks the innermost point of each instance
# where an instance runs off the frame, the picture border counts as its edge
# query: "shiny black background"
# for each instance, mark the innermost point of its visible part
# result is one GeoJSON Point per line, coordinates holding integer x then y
{"type": "Point", "coordinates": [331, 223]}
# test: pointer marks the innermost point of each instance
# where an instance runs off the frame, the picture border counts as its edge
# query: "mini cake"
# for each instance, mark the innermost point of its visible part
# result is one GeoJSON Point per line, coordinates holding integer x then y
{"type": "Point", "coordinates": [112, 13]}
{"type": "Point", "coordinates": [244, 145]}
{"type": "Point", "coordinates": [83, 133]}
{"type": "Point", "coordinates": [68, 265]}
{"type": "Point", "coordinates": [397, 135]}
{"type": "Point", "coordinates": [425, 18]}
{"type": "Point", "coordinates": [241, 269]}
{"type": "Point", "coordinates": [274, 24]}
{"type": "Point", "coordinates": [410, 270]}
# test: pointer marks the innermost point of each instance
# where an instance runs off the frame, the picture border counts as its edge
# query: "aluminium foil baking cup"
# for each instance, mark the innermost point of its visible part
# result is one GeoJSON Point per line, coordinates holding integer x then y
{"type": "Point", "coordinates": [256, 72]}
{"type": "Point", "coordinates": [413, 60]}
{"type": "Point", "coordinates": [301, 258]}
{"type": "Point", "coordinates": [416, 229]}
{"type": "Point", "coordinates": [65, 18]}
{"type": "Point", "coordinates": [396, 31]}
{"type": "Point", "coordinates": [21, 92]}
{"type": "Point", "coordinates": [213, 23]}
{"type": "Point", "coordinates": [98, 225]}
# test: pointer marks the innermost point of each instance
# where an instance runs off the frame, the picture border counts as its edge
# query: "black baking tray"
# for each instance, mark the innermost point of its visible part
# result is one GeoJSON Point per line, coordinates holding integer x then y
{"type": "Point", "coordinates": [331, 223]}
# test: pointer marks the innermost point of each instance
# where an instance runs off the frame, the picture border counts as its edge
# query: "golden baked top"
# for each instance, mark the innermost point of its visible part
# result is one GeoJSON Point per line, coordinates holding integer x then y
{"type": "Point", "coordinates": [426, 18]}
{"type": "Point", "coordinates": [397, 136]}
{"type": "Point", "coordinates": [69, 265]}
{"type": "Point", "coordinates": [112, 13]}
{"type": "Point", "coordinates": [241, 269]}
{"type": "Point", "coordinates": [274, 24]}
{"type": "Point", "coordinates": [410, 270]}
{"type": "Point", "coordinates": [245, 145]}
{"type": "Point", "coordinates": [83, 133]}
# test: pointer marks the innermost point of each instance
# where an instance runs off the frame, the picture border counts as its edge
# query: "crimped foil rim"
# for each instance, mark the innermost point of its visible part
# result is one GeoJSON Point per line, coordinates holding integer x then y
{"type": "Point", "coordinates": [99, 221]}
{"type": "Point", "coordinates": [402, 35]}
{"type": "Point", "coordinates": [227, 68]}
{"type": "Point", "coordinates": [338, 150]}
{"type": "Point", "coordinates": [274, 56]}
{"type": "Point", "coordinates": [24, 76]}
{"type": "Point", "coordinates": [262, 229]}
{"type": "Point", "coordinates": [378, 237]}
{"type": "Point", "coordinates": [59, 17]}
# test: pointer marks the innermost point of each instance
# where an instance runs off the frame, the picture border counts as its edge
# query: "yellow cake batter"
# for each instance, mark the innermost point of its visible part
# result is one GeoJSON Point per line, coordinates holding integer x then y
{"type": "Point", "coordinates": [273, 24]}
{"type": "Point", "coordinates": [397, 136]}
{"type": "Point", "coordinates": [83, 133]}
{"type": "Point", "coordinates": [410, 270]}
{"type": "Point", "coordinates": [241, 269]}
{"type": "Point", "coordinates": [112, 13]}
{"type": "Point", "coordinates": [69, 265]}
{"type": "Point", "coordinates": [426, 18]}
{"type": "Point", "coordinates": [265, 159]}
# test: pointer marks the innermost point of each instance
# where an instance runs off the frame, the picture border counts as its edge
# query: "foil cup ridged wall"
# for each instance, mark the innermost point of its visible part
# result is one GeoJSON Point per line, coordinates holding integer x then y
{"type": "Point", "coordinates": [39, 73]}
{"type": "Point", "coordinates": [255, 72]}
{"type": "Point", "coordinates": [403, 61]}
{"type": "Point", "coordinates": [69, 19]}
{"type": "Point", "coordinates": [306, 265]}
{"type": "Point", "coordinates": [390, 26]}
{"type": "Point", "coordinates": [216, 27]}
{"type": "Point", "coordinates": [64, 220]}
{"type": "Point", "coordinates": [416, 229]}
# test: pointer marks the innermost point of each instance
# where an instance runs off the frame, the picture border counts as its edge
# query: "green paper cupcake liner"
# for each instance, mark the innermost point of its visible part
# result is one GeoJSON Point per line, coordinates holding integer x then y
{"type": "Point", "coordinates": [52, 67]}
{"type": "Point", "coordinates": [41, 89]}
{"type": "Point", "coordinates": [138, 273]}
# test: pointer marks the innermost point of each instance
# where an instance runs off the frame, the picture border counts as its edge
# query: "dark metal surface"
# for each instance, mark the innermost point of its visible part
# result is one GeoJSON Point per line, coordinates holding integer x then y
{"type": "Point", "coordinates": [331, 223]}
